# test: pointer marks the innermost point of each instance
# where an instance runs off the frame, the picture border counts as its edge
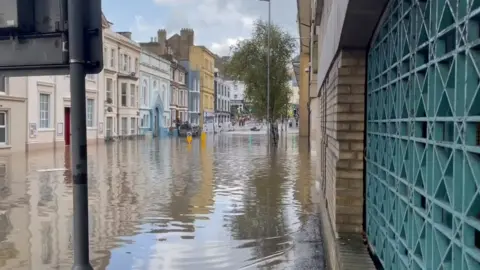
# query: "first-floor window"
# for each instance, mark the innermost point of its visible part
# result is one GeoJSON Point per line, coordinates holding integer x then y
{"type": "Point", "coordinates": [90, 111]}
{"type": "Point", "coordinates": [3, 128]}
{"type": "Point", "coordinates": [44, 111]}
{"type": "Point", "coordinates": [132, 95]}
{"type": "Point", "coordinates": [133, 124]}
{"type": "Point", "coordinates": [109, 126]}
{"type": "Point", "coordinates": [124, 126]}
{"type": "Point", "coordinates": [124, 94]}
{"type": "Point", "coordinates": [146, 121]}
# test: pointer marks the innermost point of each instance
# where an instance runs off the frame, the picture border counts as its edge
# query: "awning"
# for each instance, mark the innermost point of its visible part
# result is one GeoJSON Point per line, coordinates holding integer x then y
{"type": "Point", "coordinates": [304, 13]}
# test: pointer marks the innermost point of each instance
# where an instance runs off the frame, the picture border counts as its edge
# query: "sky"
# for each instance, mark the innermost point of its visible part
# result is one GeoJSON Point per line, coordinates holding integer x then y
{"type": "Point", "coordinates": [218, 24]}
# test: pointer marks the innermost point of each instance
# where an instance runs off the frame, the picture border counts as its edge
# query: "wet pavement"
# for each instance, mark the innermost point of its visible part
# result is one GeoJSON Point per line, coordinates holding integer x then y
{"type": "Point", "coordinates": [230, 203]}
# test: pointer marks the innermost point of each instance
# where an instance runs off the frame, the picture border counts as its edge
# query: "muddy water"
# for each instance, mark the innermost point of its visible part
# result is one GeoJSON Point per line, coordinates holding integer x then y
{"type": "Point", "coordinates": [230, 203]}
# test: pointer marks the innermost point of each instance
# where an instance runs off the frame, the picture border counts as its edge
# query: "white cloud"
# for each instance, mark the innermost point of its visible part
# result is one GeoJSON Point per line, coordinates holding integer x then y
{"type": "Point", "coordinates": [220, 23]}
{"type": "Point", "coordinates": [223, 48]}
{"type": "Point", "coordinates": [170, 2]}
{"type": "Point", "coordinates": [141, 24]}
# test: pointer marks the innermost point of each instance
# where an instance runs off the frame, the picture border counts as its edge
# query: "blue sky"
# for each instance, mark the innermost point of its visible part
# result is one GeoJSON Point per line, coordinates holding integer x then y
{"type": "Point", "coordinates": [217, 23]}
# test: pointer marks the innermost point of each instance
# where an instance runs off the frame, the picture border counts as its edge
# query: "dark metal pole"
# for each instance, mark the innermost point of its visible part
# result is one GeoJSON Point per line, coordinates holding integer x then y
{"type": "Point", "coordinates": [76, 36]}
{"type": "Point", "coordinates": [268, 65]}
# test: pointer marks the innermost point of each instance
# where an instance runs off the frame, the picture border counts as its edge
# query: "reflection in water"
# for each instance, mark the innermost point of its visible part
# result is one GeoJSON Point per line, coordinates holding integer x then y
{"type": "Point", "coordinates": [230, 203]}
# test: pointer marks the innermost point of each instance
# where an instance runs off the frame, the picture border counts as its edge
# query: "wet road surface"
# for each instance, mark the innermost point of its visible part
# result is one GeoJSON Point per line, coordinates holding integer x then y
{"type": "Point", "coordinates": [225, 204]}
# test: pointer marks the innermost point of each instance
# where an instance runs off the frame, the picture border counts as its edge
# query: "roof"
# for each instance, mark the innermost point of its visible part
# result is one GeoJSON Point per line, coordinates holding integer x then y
{"type": "Point", "coordinates": [174, 62]}
{"type": "Point", "coordinates": [206, 49]}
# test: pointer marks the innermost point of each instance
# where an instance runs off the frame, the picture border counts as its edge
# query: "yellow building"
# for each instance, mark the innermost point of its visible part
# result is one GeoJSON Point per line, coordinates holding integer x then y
{"type": "Point", "coordinates": [203, 60]}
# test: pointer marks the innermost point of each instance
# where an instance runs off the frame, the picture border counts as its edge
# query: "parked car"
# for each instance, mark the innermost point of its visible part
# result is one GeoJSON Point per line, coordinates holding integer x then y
{"type": "Point", "coordinates": [186, 128]}
{"type": "Point", "coordinates": [196, 131]}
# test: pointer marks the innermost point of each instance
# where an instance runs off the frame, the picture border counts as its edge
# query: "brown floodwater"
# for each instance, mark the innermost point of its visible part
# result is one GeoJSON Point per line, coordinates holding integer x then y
{"type": "Point", "coordinates": [230, 203]}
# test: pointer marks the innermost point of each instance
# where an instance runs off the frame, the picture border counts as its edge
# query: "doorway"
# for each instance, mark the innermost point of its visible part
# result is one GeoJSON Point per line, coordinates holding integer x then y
{"type": "Point", "coordinates": [157, 119]}
{"type": "Point", "coordinates": [67, 132]}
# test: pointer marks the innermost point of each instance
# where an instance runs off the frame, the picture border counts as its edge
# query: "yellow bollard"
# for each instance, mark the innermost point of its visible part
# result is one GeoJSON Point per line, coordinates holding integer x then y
{"type": "Point", "coordinates": [203, 140]}
{"type": "Point", "coordinates": [189, 137]}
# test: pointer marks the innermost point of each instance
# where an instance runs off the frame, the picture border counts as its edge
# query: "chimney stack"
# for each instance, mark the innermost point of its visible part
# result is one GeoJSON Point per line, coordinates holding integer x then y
{"type": "Point", "coordinates": [162, 40]}
{"type": "Point", "coordinates": [126, 34]}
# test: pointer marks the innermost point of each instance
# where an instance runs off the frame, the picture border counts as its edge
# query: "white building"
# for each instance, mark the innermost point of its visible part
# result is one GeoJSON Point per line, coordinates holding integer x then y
{"type": "Point", "coordinates": [222, 100]}
{"type": "Point", "coordinates": [294, 97]}
{"type": "Point", "coordinates": [121, 74]}
{"type": "Point", "coordinates": [154, 81]}
{"type": "Point", "coordinates": [13, 105]}
{"type": "Point", "coordinates": [237, 95]}
{"type": "Point", "coordinates": [48, 109]}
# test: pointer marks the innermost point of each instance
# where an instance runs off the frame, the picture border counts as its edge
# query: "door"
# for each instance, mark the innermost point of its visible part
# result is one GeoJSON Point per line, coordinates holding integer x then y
{"type": "Point", "coordinates": [67, 132]}
{"type": "Point", "coordinates": [157, 120]}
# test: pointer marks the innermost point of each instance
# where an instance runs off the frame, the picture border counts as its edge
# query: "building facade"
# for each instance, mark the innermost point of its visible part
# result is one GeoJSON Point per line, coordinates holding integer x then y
{"type": "Point", "coordinates": [179, 97]}
{"type": "Point", "coordinates": [177, 45]}
{"type": "Point", "coordinates": [48, 109]}
{"type": "Point", "coordinates": [121, 74]}
{"type": "Point", "coordinates": [154, 82]}
{"type": "Point", "coordinates": [222, 100]}
{"type": "Point", "coordinates": [393, 97]}
{"type": "Point", "coordinates": [237, 96]}
{"type": "Point", "coordinates": [294, 97]}
{"type": "Point", "coordinates": [193, 85]}
{"type": "Point", "coordinates": [13, 105]}
{"type": "Point", "coordinates": [202, 60]}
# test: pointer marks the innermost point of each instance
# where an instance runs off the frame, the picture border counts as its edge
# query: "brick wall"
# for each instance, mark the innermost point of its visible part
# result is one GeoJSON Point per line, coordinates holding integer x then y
{"type": "Point", "coordinates": [339, 133]}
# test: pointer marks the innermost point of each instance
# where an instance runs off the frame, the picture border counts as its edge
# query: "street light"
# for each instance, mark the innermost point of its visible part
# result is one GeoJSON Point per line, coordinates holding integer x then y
{"type": "Point", "coordinates": [268, 64]}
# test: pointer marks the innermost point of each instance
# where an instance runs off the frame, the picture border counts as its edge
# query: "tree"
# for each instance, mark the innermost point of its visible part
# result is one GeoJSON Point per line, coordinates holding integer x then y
{"type": "Point", "coordinates": [249, 63]}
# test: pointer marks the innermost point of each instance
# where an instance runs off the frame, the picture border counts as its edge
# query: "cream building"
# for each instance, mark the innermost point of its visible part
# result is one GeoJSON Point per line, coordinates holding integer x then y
{"type": "Point", "coordinates": [48, 109]}
{"type": "Point", "coordinates": [120, 74]}
{"type": "Point", "coordinates": [13, 105]}
{"type": "Point", "coordinates": [294, 97]}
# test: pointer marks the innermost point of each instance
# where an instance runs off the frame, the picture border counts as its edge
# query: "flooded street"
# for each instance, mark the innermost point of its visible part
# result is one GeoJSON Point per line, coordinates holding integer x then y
{"type": "Point", "coordinates": [225, 204]}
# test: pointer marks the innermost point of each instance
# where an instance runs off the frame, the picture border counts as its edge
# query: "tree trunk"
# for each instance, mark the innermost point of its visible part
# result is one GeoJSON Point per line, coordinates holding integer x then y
{"type": "Point", "coordinates": [274, 133]}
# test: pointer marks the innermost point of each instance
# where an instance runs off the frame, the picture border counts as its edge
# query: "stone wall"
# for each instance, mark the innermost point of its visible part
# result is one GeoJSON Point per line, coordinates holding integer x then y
{"type": "Point", "coordinates": [337, 122]}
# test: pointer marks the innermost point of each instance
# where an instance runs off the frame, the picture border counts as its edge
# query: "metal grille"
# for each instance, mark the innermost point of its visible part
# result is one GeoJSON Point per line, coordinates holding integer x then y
{"type": "Point", "coordinates": [423, 115]}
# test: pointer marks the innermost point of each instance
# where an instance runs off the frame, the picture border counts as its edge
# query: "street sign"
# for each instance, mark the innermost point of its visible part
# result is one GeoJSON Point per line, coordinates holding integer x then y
{"type": "Point", "coordinates": [34, 37]}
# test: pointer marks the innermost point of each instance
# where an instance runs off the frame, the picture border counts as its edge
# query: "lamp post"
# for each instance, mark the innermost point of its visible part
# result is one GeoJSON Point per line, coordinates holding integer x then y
{"type": "Point", "coordinates": [268, 63]}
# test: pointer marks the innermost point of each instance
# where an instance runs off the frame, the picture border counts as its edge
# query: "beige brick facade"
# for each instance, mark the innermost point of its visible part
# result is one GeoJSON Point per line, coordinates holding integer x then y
{"type": "Point", "coordinates": [337, 112]}
{"type": "Point", "coordinates": [337, 119]}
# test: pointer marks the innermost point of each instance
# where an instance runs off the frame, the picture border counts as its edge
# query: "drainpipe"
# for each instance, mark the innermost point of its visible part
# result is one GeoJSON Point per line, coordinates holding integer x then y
{"type": "Point", "coordinates": [27, 118]}
{"type": "Point", "coordinates": [55, 99]}
{"type": "Point", "coordinates": [119, 89]}
{"type": "Point", "coordinates": [308, 106]}
{"type": "Point", "coordinates": [309, 121]}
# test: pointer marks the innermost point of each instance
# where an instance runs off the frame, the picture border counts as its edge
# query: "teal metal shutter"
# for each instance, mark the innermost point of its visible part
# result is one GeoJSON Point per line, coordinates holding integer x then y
{"type": "Point", "coordinates": [422, 149]}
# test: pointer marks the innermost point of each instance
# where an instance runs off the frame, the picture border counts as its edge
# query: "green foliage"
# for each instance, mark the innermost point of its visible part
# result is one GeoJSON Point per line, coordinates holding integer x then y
{"type": "Point", "coordinates": [249, 64]}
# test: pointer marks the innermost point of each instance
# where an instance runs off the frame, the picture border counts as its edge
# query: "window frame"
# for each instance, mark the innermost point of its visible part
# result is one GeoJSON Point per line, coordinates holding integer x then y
{"type": "Point", "coordinates": [90, 113]}
{"type": "Point", "coordinates": [3, 85]}
{"type": "Point", "coordinates": [124, 94]}
{"type": "Point", "coordinates": [109, 92]}
{"type": "Point", "coordinates": [47, 112]}
{"type": "Point", "coordinates": [5, 126]}
{"type": "Point", "coordinates": [112, 58]}
{"type": "Point", "coordinates": [124, 127]}
{"type": "Point", "coordinates": [132, 95]}
{"type": "Point", "coordinates": [132, 125]}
